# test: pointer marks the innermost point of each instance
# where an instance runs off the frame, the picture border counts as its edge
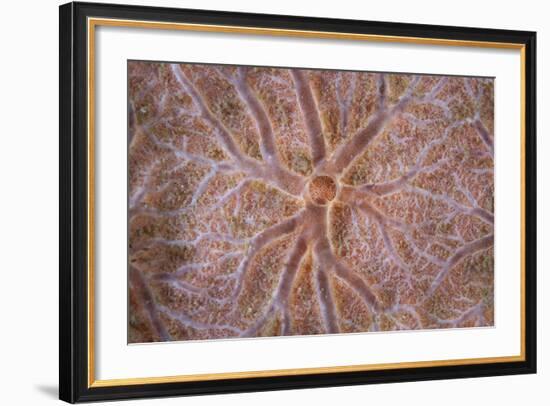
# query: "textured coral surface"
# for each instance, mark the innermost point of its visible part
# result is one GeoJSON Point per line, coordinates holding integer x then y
{"type": "Point", "coordinates": [267, 201]}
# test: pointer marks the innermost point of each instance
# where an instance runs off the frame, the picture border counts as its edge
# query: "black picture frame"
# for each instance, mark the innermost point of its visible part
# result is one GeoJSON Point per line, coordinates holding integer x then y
{"type": "Point", "coordinates": [74, 384]}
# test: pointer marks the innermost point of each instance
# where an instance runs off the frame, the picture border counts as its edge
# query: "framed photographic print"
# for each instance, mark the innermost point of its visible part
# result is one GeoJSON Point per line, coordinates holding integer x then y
{"type": "Point", "coordinates": [257, 202]}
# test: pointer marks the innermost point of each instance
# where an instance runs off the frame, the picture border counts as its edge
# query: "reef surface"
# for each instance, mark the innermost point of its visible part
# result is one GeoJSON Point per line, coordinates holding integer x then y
{"type": "Point", "coordinates": [267, 201]}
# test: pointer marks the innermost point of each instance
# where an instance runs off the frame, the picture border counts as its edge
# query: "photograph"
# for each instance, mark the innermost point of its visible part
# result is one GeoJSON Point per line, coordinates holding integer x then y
{"type": "Point", "coordinates": [274, 198]}
{"type": "Point", "coordinates": [274, 203]}
{"type": "Point", "coordinates": [268, 201]}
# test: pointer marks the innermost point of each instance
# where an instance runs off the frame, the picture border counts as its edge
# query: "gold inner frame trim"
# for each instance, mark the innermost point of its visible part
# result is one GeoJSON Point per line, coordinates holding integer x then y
{"type": "Point", "coordinates": [92, 23]}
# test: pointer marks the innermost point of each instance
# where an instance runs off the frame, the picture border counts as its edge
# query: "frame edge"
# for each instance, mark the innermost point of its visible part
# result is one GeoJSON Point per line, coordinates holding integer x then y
{"type": "Point", "coordinates": [530, 168]}
{"type": "Point", "coordinates": [67, 388]}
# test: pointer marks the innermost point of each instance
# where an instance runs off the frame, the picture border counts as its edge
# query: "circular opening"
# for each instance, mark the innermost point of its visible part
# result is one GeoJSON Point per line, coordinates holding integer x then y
{"type": "Point", "coordinates": [322, 189]}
